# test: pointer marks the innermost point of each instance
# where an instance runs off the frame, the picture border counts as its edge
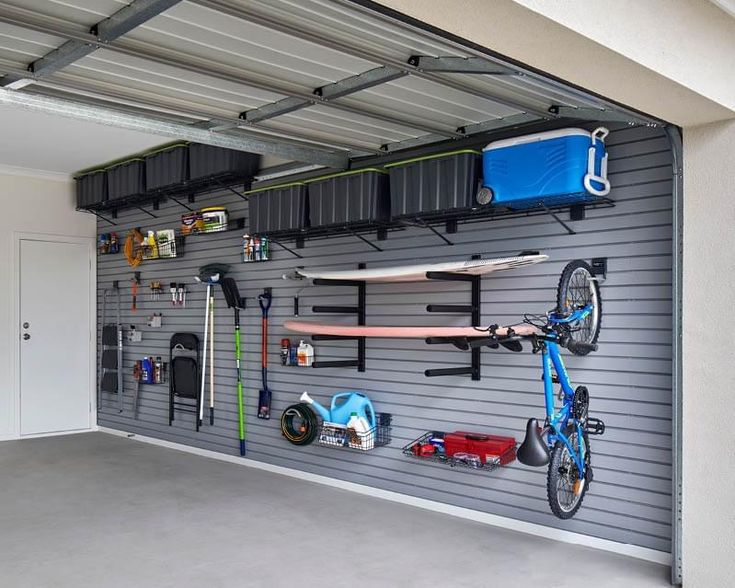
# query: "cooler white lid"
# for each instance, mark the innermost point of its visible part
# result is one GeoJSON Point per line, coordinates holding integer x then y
{"type": "Point", "coordinates": [545, 136]}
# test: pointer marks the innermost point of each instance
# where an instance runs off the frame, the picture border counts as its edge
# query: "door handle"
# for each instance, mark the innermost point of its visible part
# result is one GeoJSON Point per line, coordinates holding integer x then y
{"type": "Point", "coordinates": [26, 336]}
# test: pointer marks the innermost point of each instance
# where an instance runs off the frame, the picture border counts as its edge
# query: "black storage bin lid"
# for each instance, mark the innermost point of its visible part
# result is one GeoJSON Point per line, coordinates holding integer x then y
{"type": "Point", "coordinates": [433, 156]}
{"type": "Point", "coordinates": [167, 166]}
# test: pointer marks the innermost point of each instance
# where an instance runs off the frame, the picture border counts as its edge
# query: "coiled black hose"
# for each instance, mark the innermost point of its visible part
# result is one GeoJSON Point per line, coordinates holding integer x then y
{"type": "Point", "coordinates": [299, 424]}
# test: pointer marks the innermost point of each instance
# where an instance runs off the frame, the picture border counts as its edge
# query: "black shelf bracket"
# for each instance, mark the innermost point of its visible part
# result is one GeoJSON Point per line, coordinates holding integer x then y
{"type": "Point", "coordinates": [474, 309]}
{"type": "Point", "coordinates": [358, 309]}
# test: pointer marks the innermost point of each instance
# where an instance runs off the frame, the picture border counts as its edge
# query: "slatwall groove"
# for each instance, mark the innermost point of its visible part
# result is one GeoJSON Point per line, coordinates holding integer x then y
{"type": "Point", "coordinates": [629, 378]}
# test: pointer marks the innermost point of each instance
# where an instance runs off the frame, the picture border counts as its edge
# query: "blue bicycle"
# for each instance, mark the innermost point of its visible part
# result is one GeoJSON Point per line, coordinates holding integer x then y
{"type": "Point", "coordinates": [563, 441]}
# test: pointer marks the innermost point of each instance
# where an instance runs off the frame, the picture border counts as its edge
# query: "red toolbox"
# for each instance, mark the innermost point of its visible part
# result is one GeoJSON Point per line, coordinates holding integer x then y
{"type": "Point", "coordinates": [488, 447]}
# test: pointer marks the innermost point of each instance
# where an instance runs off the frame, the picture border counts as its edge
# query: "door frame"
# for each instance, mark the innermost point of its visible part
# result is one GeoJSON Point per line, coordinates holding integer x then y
{"type": "Point", "coordinates": [15, 331]}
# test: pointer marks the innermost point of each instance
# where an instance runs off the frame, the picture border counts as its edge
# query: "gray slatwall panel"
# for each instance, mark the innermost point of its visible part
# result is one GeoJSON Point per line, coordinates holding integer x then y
{"type": "Point", "coordinates": [629, 378]}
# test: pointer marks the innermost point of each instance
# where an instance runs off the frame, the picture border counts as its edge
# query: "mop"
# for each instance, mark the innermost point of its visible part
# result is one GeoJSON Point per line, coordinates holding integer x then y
{"type": "Point", "coordinates": [209, 274]}
{"type": "Point", "coordinates": [234, 301]}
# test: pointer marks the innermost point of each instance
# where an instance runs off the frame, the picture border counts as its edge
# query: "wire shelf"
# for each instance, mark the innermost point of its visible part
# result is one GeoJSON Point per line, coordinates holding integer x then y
{"type": "Point", "coordinates": [462, 460]}
{"type": "Point", "coordinates": [334, 435]}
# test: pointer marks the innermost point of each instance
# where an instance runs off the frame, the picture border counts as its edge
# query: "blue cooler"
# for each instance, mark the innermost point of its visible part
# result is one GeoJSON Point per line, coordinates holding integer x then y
{"type": "Point", "coordinates": [555, 168]}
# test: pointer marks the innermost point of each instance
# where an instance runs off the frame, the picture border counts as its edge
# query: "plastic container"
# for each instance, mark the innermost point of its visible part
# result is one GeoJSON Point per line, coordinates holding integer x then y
{"type": "Point", "coordinates": [487, 447]}
{"type": "Point", "coordinates": [126, 179]}
{"type": "Point", "coordinates": [555, 168]}
{"type": "Point", "coordinates": [435, 184]}
{"type": "Point", "coordinates": [349, 198]}
{"type": "Point", "coordinates": [91, 188]}
{"type": "Point", "coordinates": [278, 209]}
{"type": "Point", "coordinates": [214, 219]}
{"type": "Point", "coordinates": [167, 167]}
{"type": "Point", "coordinates": [207, 161]}
{"type": "Point", "coordinates": [305, 355]}
{"type": "Point", "coordinates": [358, 429]}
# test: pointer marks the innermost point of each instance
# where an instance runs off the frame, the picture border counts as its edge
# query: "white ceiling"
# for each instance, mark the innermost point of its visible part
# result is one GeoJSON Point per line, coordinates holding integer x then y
{"type": "Point", "coordinates": [45, 143]}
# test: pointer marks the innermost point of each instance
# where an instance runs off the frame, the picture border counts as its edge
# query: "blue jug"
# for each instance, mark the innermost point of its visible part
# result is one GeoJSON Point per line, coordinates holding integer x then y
{"type": "Point", "coordinates": [343, 405]}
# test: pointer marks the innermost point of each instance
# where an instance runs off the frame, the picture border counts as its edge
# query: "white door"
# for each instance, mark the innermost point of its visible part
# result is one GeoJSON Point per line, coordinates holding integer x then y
{"type": "Point", "coordinates": [55, 337]}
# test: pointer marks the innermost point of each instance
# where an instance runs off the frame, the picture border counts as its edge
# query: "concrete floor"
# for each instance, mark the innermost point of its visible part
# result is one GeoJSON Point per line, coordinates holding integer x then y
{"type": "Point", "coordinates": [102, 511]}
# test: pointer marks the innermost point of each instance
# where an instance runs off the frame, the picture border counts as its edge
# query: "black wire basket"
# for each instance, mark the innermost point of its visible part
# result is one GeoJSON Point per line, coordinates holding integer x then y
{"type": "Point", "coordinates": [334, 435]}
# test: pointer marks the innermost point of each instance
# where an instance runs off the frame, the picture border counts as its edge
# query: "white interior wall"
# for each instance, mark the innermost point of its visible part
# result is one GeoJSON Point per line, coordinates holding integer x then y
{"type": "Point", "coordinates": [29, 205]}
{"type": "Point", "coordinates": [709, 380]}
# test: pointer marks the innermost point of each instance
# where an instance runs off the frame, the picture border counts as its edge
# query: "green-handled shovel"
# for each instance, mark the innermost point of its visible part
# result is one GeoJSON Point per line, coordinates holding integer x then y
{"type": "Point", "coordinates": [232, 296]}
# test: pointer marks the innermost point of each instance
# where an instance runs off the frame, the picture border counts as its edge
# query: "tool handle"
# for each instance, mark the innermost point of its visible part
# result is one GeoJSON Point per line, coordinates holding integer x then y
{"type": "Point", "coordinates": [264, 300]}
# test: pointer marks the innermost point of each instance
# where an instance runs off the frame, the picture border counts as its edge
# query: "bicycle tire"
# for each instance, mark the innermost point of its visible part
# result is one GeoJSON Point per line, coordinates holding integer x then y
{"type": "Point", "coordinates": [570, 296]}
{"type": "Point", "coordinates": [564, 474]}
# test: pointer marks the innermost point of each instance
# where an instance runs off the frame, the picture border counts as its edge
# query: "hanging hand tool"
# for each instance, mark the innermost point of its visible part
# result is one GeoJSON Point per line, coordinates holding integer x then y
{"type": "Point", "coordinates": [137, 369]}
{"type": "Point", "coordinates": [234, 301]}
{"type": "Point", "coordinates": [209, 274]}
{"type": "Point", "coordinates": [136, 283]}
{"type": "Point", "coordinates": [264, 396]}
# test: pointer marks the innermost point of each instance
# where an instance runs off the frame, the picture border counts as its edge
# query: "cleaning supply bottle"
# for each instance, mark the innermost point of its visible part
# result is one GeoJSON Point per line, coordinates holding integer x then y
{"type": "Point", "coordinates": [285, 346]}
{"type": "Point", "coordinates": [358, 429]}
{"type": "Point", "coordinates": [305, 354]}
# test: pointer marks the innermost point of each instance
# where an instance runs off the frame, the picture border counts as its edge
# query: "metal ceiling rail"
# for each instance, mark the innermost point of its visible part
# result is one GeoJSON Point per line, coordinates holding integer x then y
{"type": "Point", "coordinates": [25, 18]}
{"type": "Point", "coordinates": [466, 65]}
{"type": "Point", "coordinates": [157, 126]}
{"type": "Point", "coordinates": [345, 87]}
{"type": "Point", "coordinates": [209, 121]}
{"type": "Point", "coordinates": [121, 22]}
{"type": "Point", "coordinates": [472, 129]}
{"type": "Point", "coordinates": [549, 82]}
{"type": "Point", "coordinates": [250, 15]}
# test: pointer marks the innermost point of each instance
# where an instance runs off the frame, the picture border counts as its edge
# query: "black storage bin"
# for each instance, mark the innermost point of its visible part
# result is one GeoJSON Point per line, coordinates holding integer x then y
{"type": "Point", "coordinates": [126, 179]}
{"type": "Point", "coordinates": [349, 198]}
{"type": "Point", "coordinates": [435, 184]}
{"type": "Point", "coordinates": [206, 161]}
{"type": "Point", "coordinates": [278, 209]}
{"type": "Point", "coordinates": [167, 167]}
{"type": "Point", "coordinates": [92, 189]}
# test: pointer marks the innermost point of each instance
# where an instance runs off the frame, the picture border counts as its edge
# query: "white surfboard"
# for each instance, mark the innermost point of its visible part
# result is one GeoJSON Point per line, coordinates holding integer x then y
{"type": "Point", "coordinates": [417, 273]}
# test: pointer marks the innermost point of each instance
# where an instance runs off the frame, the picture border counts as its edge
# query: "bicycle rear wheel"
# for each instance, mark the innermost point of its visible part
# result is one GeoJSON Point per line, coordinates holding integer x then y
{"type": "Point", "coordinates": [578, 288]}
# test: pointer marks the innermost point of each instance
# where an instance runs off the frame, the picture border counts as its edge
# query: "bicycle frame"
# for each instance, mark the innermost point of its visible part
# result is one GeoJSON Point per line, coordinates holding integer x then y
{"type": "Point", "coordinates": [558, 422]}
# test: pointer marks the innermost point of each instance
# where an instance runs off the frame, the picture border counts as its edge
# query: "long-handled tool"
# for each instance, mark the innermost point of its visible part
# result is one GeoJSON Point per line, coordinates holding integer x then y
{"type": "Point", "coordinates": [209, 274]}
{"type": "Point", "coordinates": [211, 356]}
{"type": "Point", "coordinates": [264, 396]}
{"type": "Point", "coordinates": [232, 296]}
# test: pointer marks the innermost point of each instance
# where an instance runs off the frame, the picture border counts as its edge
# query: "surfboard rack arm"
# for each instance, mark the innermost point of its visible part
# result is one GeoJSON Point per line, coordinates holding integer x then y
{"type": "Point", "coordinates": [473, 309]}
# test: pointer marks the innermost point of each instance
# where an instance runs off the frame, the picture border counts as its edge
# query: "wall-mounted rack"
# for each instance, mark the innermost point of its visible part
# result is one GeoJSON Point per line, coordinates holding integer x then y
{"type": "Point", "coordinates": [473, 309]}
{"type": "Point", "coordinates": [358, 310]}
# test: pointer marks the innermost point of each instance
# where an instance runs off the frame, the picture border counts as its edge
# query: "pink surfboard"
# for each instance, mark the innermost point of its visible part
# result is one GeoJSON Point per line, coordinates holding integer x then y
{"type": "Point", "coordinates": [413, 332]}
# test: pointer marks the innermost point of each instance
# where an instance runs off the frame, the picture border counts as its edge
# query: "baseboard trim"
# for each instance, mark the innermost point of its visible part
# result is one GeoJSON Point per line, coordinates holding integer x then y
{"type": "Point", "coordinates": [635, 551]}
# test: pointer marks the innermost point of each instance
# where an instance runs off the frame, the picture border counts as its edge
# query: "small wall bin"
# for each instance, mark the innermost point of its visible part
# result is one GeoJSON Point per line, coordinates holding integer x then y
{"type": "Point", "coordinates": [349, 198]}
{"type": "Point", "coordinates": [167, 167]}
{"type": "Point", "coordinates": [280, 209]}
{"type": "Point", "coordinates": [488, 453]}
{"type": "Point", "coordinates": [435, 184]}
{"type": "Point", "coordinates": [126, 179]}
{"type": "Point", "coordinates": [209, 161]}
{"type": "Point", "coordinates": [91, 188]}
{"type": "Point", "coordinates": [334, 435]}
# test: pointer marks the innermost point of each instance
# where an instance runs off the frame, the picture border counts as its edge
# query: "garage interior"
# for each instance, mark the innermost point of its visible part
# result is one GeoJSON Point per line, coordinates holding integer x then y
{"type": "Point", "coordinates": [312, 90]}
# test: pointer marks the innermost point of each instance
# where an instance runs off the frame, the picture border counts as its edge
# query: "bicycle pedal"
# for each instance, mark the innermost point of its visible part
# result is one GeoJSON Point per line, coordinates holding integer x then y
{"type": "Point", "coordinates": [595, 426]}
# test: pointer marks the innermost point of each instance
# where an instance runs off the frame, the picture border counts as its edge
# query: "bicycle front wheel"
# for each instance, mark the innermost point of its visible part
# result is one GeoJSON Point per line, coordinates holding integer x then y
{"type": "Point", "coordinates": [578, 288]}
{"type": "Point", "coordinates": [565, 484]}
